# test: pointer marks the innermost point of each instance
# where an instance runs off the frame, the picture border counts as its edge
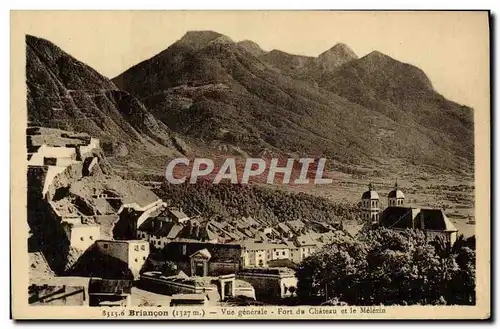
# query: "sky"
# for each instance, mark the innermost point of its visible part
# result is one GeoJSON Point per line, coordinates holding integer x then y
{"type": "Point", "coordinates": [450, 47]}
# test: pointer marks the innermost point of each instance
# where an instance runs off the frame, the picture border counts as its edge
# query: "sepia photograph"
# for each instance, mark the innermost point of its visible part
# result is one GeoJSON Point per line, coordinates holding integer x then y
{"type": "Point", "coordinates": [250, 165]}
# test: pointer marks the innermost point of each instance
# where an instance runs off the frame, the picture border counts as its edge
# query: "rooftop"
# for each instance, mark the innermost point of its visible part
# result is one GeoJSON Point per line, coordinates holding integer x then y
{"type": "Point", "coordinates": [252, 245]}
{"type": "Point", "coordinates": [408, 217]}
{"type": "Point", "coordinates": [396, 194]}
{"type": "Point", "coordinates": [370, 195]}
{"type": "Point", "coordinates": [305, 240]}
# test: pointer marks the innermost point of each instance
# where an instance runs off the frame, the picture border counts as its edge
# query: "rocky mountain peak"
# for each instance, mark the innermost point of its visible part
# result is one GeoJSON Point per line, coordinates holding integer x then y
{"type": "Point", "coordinates": [251, 47]}
{"type": "Point", "coordinates": [336, 56]}
{"type": "Point", "coordinates": [200, 39]}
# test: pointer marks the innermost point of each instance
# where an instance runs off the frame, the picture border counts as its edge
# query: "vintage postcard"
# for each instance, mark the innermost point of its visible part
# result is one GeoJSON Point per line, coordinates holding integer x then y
{"type": "Point", "coordinates": [250, 165]}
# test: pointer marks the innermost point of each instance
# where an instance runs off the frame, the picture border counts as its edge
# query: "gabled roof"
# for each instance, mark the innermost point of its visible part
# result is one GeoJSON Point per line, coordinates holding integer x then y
{"type": "Point", "coordinates": [249, 221]}
{"type": "Point", "coordinates": [305, 240]}
{"type": "Point", "coordinates": [284, 227]}
{"type": "Point", "coordinates": [169, 230]}
{"type": "Point", "coordinates": [436, 220]}
{"type": "Point", "coordinates": [174, 231]}
{"type": "Point", "coordinates": [177, 213]}
{"type": "Point", "coordinates": [398, 217]}
{"type": "Point", "coordinates": [295, 225]}
{"type": "Point", "coordinates": [425, 219]}
{"type": "Point", "coordinates": [210, 234]}
{"type": "Point", "coordinates": [219, 225]}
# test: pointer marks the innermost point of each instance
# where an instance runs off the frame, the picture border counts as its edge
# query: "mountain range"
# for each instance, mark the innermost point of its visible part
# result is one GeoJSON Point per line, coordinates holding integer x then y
{"type": "Point", "coordinates": [206, 94]}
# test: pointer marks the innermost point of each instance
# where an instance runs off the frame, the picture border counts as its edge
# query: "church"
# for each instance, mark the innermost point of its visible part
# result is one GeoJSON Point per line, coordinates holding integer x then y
{"type": "Point", "coordinates": [398, 216]}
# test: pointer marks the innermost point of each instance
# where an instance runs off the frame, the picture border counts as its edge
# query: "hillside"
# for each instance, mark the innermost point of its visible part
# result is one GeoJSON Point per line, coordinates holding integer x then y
{"type": "Point", "coordinates": [230, 201]}
{"type": "Point", "coordinates": [220, 94]}
{"type": "Point", "coordinates": [67, 94]}
{"type": "Point", "coordinates": [405, 94]}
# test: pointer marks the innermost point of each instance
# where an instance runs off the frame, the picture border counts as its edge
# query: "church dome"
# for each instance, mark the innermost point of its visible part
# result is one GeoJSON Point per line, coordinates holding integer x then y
{"type": "Point", "coordinates": [396, 194]}
{"type": "Point", "coordinates": [370, 194]}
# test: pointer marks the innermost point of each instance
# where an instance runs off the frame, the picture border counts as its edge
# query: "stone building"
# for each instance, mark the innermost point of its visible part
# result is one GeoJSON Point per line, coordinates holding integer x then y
{"type": "Point", "coordinates": [132, 252]}
{"type": "Point", "coordinates": [270, 284]}
{"type": "Point", "coordinates": [259, 254]}
{"type": "Point", "coordinates": [203, 259]}
{"type": "Point", "coordinates": [81, 236]}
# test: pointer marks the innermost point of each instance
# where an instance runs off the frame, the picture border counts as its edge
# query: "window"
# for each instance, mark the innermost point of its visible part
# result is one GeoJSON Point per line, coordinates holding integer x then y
{"type": "Point", "coordinates": [277, 253]}
{"type": "Point", "coordinates": [283, 253]}
{"type": "Point", "coordinates": [105, 246]}
{"type": "Point", "coordinates": [81, 239]}
{"type": "Point", "coordinates": [144, 258]}
{"type": "Point", "coordinates": [143, 247]}
{"type": "Point", "coordinates": [136, 260]}
{"type": "Point", "coordinates": [136, 248]}
{"type": "Point", "coordinates": [184, 249]}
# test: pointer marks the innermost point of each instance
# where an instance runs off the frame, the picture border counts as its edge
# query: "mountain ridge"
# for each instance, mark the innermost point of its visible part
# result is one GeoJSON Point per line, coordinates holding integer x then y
{"type": "Point", "coordinates": [67, 94]}
{"type": "Point", "coordinates": [223, 93]}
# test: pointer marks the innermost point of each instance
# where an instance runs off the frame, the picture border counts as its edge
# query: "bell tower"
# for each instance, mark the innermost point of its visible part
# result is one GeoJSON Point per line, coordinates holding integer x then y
{"type": "Point", "coordinates": [370, 205]}
{"type": "Point", "coordinates": [395, 198]}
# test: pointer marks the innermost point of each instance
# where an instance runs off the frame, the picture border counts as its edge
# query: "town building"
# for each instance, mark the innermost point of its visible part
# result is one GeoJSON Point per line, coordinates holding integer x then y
{"type": "Point", "coordinates": [257, 254]}
{"type": "Point", "coordinates": [81, 236]}
{"type": "Point", "coordinates": [56, 151]}
{"type": "Point", "coordinates": [306, 246]}
{"type": "Point", "coordinates": [203, 259]}
{"type": "Point", "coordinates": [397, 216]}
{"type": "Point", "coordinates": [270, 284]}
{"type": "Point", "coordinates": [132, 252]}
